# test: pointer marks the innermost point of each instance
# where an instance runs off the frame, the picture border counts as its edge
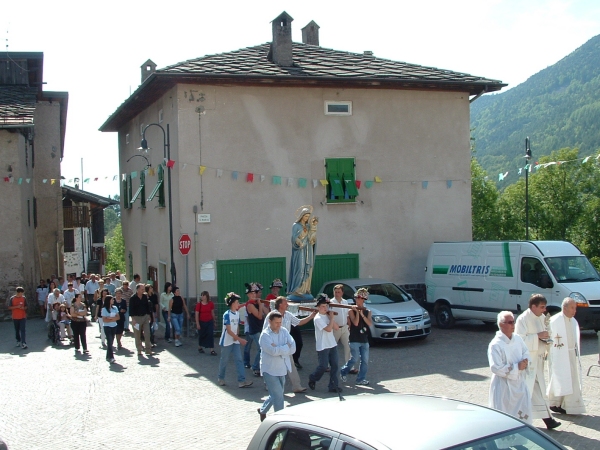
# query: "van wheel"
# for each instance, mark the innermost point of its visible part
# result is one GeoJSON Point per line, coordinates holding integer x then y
{"type": "Point", "coordinates": [443, 316]}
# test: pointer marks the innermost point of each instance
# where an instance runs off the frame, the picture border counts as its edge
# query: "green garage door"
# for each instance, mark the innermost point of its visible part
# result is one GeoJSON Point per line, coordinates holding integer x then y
{"type": "Point", "coordinates": [333, 267]}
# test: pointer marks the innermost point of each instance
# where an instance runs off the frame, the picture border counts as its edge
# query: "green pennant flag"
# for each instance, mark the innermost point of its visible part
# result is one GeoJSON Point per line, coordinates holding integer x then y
{"type": "Point", "coordinates": [276, 179]}
{"type": "Point", "coordinates": [302, 182]}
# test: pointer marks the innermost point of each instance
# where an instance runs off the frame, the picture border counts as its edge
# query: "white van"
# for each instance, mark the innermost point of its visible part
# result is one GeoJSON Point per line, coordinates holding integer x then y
{"type": "Point", "coordinates": [477, 280]}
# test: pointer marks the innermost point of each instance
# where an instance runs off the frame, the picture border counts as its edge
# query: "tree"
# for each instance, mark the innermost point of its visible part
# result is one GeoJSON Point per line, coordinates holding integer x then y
{"type": "Point", "coordinates": [484, 208]}
{"type": "Point", "coordinates": [112, 216]}
{"type": "Point", "coordinates": [115, 250]}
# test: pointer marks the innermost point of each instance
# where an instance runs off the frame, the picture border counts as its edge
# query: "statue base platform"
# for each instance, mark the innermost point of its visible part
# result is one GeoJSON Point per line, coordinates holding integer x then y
{"type": "Point", "coordinates": [304, 298]}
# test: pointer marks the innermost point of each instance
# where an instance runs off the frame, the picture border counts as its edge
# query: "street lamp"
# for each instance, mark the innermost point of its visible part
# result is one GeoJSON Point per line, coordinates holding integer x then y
{"type": "Point", "coordinates": [527, 167]}
{"type": "Point", "coordinates": [167, 156]}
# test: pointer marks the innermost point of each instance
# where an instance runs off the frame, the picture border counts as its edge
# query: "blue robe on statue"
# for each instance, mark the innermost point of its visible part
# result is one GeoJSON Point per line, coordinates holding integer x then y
{"type": "Point", "coordinates": [302, 261]}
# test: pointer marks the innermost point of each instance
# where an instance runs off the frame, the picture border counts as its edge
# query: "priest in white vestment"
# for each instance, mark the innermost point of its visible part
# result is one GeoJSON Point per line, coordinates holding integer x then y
{"type": "Point", "coordinates": [508, 358]}
{"type": "Point", "coordinates": [564, 388]}
{"type": "Point", "coordinates": [531, 326]}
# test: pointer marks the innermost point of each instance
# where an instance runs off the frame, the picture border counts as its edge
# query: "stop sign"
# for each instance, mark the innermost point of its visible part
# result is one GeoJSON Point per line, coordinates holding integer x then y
{"type": "Point", "coordinates": [185, 244]}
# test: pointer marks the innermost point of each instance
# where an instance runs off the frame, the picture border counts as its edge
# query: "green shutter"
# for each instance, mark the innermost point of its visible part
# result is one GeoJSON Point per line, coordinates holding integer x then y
{"type": "Point", "coordinates": [336, 185]}
{"type": "Point", "coordinates": [129, 189]}
{"type": "Point", "coordinates": [350, 185]}
{"type": "Point", "coordinates": [140, 190]}
{"type": "Point", "coordinates": [338, 171]}
{"type": "Point", "coordinates": [159, 188]}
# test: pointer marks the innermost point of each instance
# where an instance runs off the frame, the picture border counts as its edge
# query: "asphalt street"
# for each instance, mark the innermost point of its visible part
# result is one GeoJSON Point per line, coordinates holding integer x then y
{"type": "Point", "coordinates": [52, 399]}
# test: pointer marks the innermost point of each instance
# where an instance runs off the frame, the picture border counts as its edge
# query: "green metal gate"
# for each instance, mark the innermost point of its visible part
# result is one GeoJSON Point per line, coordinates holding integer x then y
{"type": "Point", "coordinates": [333, 267]}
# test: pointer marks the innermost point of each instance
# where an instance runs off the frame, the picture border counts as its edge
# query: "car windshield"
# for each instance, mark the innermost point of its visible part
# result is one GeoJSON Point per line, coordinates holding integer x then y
{"type": "Point", "coordinates": [382, 293]}
{"type": "Point", "coordinates": [572, 269]}
{"type": "Point", "coordinates": [521, 438]}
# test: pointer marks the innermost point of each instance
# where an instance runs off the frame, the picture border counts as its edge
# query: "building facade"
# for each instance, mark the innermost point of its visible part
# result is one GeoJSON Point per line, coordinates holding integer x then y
{"type": "Point", "coordinates": [379, 148]}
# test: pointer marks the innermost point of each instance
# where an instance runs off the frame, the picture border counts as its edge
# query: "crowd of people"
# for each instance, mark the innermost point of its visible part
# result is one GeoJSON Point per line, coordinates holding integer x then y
{"type": "Point", "coordinates": [517, 356]}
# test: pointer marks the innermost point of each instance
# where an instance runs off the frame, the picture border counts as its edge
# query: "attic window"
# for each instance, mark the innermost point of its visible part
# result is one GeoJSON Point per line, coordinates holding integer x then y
{"type": "Point", "coordinates": [127, 138]}
{"type": "Point", "coordinates": [160, 116]}
{"type": "Point", "coordinates": [338, 108]}
{"type": "Point", "coordinates": [283, 23]}
{"type": "Point", "coordinates": [148, 68]}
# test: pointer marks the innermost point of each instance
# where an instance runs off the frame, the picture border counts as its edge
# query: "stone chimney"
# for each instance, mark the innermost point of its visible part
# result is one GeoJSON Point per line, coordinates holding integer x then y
{"type": "Point", "coordinates": [281, 47]}
{"type": "Point", "coordinates": [148, 68]}
{"type": "Point", "coordinates": [310, 33]}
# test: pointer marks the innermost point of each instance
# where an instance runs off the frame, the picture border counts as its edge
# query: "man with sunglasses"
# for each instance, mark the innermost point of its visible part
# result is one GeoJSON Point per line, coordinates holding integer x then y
{"type": "Point", "coordinates": [508, 358]}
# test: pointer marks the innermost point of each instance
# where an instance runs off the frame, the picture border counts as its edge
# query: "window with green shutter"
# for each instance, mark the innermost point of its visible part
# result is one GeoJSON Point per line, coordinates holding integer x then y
{"type": "Point", "coordinates": [141, 192]}
{"type": "Point", "coordinates": [159, 188]}
{"type": "Point", "coordinates": [341, 179]}
{"type": "Point", "coordinates": [125, 192]}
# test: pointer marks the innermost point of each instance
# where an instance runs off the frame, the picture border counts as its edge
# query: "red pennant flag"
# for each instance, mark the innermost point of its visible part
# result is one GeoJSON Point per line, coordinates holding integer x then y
{"type": "Point", "coordinates": [6, 179]}
{"type": "Point", "coordinates": [358, 182]}
{"type": "Point", "coordinates": [250, 177]}
{"type": "Point", "coordinates": [95, 179]}
{"type": "Point", "coordinates": [170, 163]}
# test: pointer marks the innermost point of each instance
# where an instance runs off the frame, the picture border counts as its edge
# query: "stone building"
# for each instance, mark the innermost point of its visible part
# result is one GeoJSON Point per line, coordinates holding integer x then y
{"type": "Point", "coordinates": [380, 148]}
{"type": "Point", "coordinates": [32, 134]}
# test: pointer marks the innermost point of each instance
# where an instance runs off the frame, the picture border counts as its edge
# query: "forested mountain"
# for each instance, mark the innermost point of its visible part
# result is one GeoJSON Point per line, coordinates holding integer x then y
{"type": "Point", "coordinates": [557, 107]}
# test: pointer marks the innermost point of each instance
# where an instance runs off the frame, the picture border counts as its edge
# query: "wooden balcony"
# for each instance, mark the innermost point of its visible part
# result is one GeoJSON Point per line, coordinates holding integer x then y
{"type": "Point", "coordinates": [76, 217]}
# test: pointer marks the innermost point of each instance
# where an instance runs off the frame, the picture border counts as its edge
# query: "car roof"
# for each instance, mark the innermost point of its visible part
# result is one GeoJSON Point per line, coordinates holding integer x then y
{"type": "Point", "coordinates": [404, 421]}
{"type": "Point", "coordinates": [359, 281]}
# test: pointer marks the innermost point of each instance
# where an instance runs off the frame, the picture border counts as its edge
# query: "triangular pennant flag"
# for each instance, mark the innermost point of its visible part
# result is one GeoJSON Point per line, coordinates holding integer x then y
{"type": "Point", "coordinates": [358, 183]}
{"type": "Point", "coordinates": [250, 177]}
{"type": "Point", "coordinates": [290, 181]}
{"type": "Point", "coordinates": [20, 181]}
{"type": "Point", "coordinates": [377, 179]}
{"type": "Point", "coordinates": [368, 184]}
{"type": "Point", "coordinates": [123, 177]}
{"type": "Point", "coordinates": [71, 180]}
{"type": "Point", "coordinates": [585, 160]}
{"type": "Point", "coordinates": [276, 179]}
{"type": "Point", "coordinates": [201, 170]}
{"type": "Point", "coordinates": [219, 173]}
{"type": "Point", "coordinates": [184, 166]}
{"type": "Point", "coordinates": [87, 180]}
{"type": "Point", "coordinates": [95, 179]}
{"type": "Point", "coordinates": [6, 179]}
{"type": "Point", "coordinates": [302, 182]}
{"type": "Point", "coordinates": [170, 164]}
{"type": "Point", "coordinates": [133, 175]}
{"type": "Point", "coordinates": [28, 180]}
{"type": "Point", "coordinates": [448, 184]}
{"type": "Point", "coordinates": [262, 178]}
{"type": "Point", "coordinates": [521, 169]}
{"type": "Point", "coordinates": [234, 175]}
{"type": "Point", "coordinates": [115, 177]}
{"type": "Point", "coordinates": [315, 182]}
{"type": "Point", "coordinates": [106, 178]}
{"type": "Point", "coordinates": [52, 181]}
{"type": "Point", "coordinates": [45, 180]}
{"type": "Point", "coordinates": [424, 184]}
{"type": "Point", "coordinates": [324, 182]}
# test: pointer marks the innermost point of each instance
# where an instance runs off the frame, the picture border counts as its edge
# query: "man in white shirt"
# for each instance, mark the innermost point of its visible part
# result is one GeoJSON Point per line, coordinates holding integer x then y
{"type": "Point", "coordinates": [326, 346]}
{"type": "Point", "coordinates": [69, 294]}
{"type": "Point", "coordinates": [53, 297]}
{"type": "Point", "coordinates": [277, 346]}
{"type": "Point", "coordinates": [117, 283]}
{"type": "Point", "coordinates": [90, 288]}
{"type": "Point", "coordinates": [342, 334]}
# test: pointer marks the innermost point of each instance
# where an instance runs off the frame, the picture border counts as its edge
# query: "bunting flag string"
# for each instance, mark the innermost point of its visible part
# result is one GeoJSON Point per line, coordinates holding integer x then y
{"type": "Point", "coordinates": [528, 167]}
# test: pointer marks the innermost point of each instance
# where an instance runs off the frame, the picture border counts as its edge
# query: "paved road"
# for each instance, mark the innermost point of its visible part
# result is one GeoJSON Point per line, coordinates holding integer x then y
{"type": "Point", "coordinates": [50, 399]}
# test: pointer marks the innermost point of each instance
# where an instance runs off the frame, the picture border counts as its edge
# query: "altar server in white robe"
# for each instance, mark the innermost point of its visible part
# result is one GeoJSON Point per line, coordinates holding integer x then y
{"type": "Point", "coordinates": [508, 358]}
{"type": "Point", "coordinates": [531, 326]}
{"type": "Point", "coordinates": [564, 388]}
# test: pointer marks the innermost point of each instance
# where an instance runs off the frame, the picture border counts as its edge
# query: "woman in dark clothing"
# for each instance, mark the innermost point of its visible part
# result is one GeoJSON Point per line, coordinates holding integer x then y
{"type": "Point", "coordinates": [205, 323]}
{"type": "Point", "coordinates": [176, 307]}
{"type": "Point", "coordinates": [153, 300]}
{"type": "Point", "coordinates": [121, 304]}
{"type": "Point", "coordinates": [110, 316]}
{"type": "Point", "coordinates": [79, 323]}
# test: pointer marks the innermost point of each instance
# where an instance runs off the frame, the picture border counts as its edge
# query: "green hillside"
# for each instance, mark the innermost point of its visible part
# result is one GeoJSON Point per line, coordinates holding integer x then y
{"type": "Point", "coordinates": [557, 107]}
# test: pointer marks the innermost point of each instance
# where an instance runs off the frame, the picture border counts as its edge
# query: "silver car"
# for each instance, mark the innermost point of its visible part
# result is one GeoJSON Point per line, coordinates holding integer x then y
{"type": "Point", "coordinates": [396, 421]}
{"type": "Point", "coordinates": [396, 315]}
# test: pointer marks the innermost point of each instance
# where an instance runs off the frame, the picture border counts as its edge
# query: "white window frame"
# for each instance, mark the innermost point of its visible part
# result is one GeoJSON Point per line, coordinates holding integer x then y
{"type": "Point", "coordinates": [338, 102]}
{"type": "Point", "coordinates": [127, 138]}
{"type": "Point", "coordinates": [160, 116]}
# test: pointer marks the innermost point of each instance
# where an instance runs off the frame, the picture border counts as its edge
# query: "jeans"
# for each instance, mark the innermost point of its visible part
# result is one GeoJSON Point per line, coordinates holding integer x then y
{"type": "Point", "coordinates": [165, 315]}
{"type": "Point", "coordinates": [226, 351]}
{"type": "Point", "coordinates": [79, 329]}
{"type": "Point", "coordinates": [275, 386]}
{"type": "Point", "coordinates": [297, 335]}
{"type": "Point", "coordinates": [327, 356]}
{"type": "Point", "coordinates": [356, 349]}
{"type": "Point", "coordinates": [20, 330]}
{"type": "Point", "coordinates": [110, 338]}
{"type": "Point", "coordinates": [252, 338]}
{"type": "Point", "coordinates": [177, 322]}
{"type": "Point", "coordinates": [101, 326]}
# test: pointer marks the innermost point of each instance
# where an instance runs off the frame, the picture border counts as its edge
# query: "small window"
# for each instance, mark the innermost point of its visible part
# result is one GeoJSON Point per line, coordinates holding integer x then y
{"type": "Point", "coordinates": [127, 138]}
{"type": "Point", "coordinates": [160, 116]}
{"type": "Point", "coordinates": [141, 129]}
{"type": "Point", "coordinates": [341, 179]}
{"type": "Point", "coordinates": [69, 237]}
{"type": "Point", "coordinates": [338, 108]}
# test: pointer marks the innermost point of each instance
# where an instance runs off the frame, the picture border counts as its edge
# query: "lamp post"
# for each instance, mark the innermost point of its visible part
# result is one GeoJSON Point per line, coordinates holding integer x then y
{"type": "Point", "coordinates": [167, 156]}
{"type": "Point", "coordinates": [527, 167]}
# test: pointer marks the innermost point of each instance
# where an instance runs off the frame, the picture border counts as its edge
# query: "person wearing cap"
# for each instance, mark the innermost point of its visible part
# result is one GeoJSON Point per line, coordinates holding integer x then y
{"type": "Point", "coordinates": [289, 321]}
{"type": "Point", "coordinates": [360, 321]}
{"type": "Point", "coordinates": [276, 347]}
{"type": "Point", "coordinates": [326, 346]}
{"type": "Point", "coordinates": [341, 334]}
{"type": "Point", "coordinates": [230, 342]}
{"type": "Point", "coordinates": [256, 313]}
{"type": "Point", "coordinates": [275, 287]}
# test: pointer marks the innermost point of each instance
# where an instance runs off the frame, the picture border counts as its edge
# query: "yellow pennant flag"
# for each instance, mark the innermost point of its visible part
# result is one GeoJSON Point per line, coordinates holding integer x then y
{"type": "Point", "coordinates": [324, 182]}
{"type": "Point", "coordinates": [202, 169]}
{"type": "Point", "coordinates": [377, 179]}
{"type": "Point", "coordinates": [52, 181]}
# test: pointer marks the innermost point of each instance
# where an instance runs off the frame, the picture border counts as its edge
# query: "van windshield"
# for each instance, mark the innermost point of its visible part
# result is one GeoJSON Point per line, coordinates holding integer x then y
{"type": "Point", "coordinates": [572, 269]}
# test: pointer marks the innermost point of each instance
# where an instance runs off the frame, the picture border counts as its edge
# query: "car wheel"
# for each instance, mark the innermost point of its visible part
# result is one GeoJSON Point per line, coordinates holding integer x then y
{"type": "Point", "coordinates": [443, 316]}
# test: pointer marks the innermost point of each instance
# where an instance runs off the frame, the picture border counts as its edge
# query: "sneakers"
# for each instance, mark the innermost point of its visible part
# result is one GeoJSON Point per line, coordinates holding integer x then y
{"type": "Point", "coordinates": [177, 343]}
{"type": "Point", "coordinates": [256, 373]}
{"type": "Point", "coordinates": [247, 366]}
{"type": "Point", "coordinates": [263, 416]}
{"type": "Point", "coordinates": [344, 378]}
{"type": "Point", "coordinates": [245, 384]}
{"type": "Point", "coordinates": [362, 383]}
{"type": "Point", "coordinates": [111, 360]}
{"type": "Point", "coordinates": [221, 382]}
{"type": "Point", "coordinates": [18, 343]}
{"type": "Point", "coordinates": [311, 385]}
{"type": "Point", "coordinates": [169, 340]}
{"type": "Point", "coordinates": [23, 345]}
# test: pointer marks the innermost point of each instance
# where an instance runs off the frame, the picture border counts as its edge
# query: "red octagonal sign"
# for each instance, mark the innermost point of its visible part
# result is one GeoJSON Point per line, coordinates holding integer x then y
{"type": "Point", "coordinates": [185, 244]}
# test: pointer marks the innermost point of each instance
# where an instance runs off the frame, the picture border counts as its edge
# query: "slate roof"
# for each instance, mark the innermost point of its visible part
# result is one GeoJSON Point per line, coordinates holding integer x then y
{"type": "Point", "coordinates": [85, 196]}
{"type": "Point", "coordinates": [315, 61]}
{"type": "Point", "coordinates": [17, 106]}
{"type": "Point", "coordinates": [313, 66]}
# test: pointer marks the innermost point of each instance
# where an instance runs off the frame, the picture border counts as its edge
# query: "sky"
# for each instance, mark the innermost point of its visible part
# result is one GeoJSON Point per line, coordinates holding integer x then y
{"type": "Point", "coordinates": [95, 53]}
